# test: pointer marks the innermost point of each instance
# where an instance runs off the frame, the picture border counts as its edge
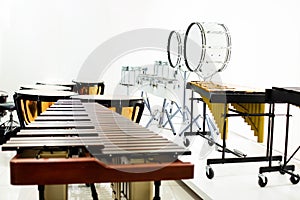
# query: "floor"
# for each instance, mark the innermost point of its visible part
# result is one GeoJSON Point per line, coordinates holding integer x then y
{"type": "Point", "coordinates": [231, 181]}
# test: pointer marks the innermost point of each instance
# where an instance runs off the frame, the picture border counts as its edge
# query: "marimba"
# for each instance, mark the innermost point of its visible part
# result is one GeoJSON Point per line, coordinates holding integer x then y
{"type": "Point", "coordinates": [247, 103]}
{"type": "Point", "coordinates": [104, 147]}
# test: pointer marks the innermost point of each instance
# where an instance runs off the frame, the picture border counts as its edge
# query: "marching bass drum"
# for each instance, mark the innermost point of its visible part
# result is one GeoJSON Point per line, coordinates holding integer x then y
{"type": "Point", "coordinates": [207, 48]}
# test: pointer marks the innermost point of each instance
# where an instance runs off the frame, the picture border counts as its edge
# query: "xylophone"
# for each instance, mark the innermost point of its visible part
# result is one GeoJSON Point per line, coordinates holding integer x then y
{"type": "Point", "coordinates": [103, 147]}
{"type": "Point", "coordinates": [245, 102]}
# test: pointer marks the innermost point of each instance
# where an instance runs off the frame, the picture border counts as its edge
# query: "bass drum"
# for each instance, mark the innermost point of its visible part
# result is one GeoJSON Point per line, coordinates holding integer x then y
{"type": "Point", "coordinates": [207, 48]}
{"type": "Point", "coordinates": [3, 99]}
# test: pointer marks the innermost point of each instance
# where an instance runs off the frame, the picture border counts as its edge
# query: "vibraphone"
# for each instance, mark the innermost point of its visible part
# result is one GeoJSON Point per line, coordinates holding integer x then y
{"type": "Point", "coordinates": [74, 142]}
{"type": "Point", "coordinates": [289, 96]}
{"type": "Point", "coordinates": [246, 103]}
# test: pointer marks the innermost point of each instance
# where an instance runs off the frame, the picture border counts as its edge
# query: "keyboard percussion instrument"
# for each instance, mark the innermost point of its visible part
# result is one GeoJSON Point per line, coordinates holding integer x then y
{"type": "Point", "coordinates": [289, 96]}
{"type": "Point", "coordinates": [60, 148]}
{"type": "Point", "coordinates": [225, 101]}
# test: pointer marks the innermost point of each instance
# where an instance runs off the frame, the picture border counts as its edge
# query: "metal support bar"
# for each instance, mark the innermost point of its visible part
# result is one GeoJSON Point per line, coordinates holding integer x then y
{"type": "Point", "coordinates": [285, 163]}
{"type": "Point", "coordinates": [41, 189]}
{"type": "Point", "coordinates": [94, 191]}
{"type": "Point", "coordinates": [276, 169]}
{"type": "Point", "coordinates": [195, 121]}
{"type": "Point", "coordinates": [156, 190]}
{"type": "Point", "coordinates": [161, 119]}
{"type": "Point", "coordinates": [286, 133]}
{"type": "Point", "coordinates": [170, 122]}
{"type": "Point", "coordinates": [241, 160]}
{"type": "Point", "coordinates": [224, 133]}
{"type": "Point", "coordinates": [171, 117]}
{"type": "Point", "coordinates": [188, 126]}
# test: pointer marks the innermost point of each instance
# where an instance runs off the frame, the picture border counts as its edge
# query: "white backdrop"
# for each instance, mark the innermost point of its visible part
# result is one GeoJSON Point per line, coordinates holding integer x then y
{"type": "Point", "coordinates": [50, 40]}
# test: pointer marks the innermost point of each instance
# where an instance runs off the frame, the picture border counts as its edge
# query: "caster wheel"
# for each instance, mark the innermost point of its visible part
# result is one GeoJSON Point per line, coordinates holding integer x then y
{"type": "Point", "coordinates": [282, 172]}
{"type": "Point", "coordinates": [186, 142]}
{"type": "Point", "coordinates": [210, 172]}
{"type": "Point", "coordinates": [262, 181]}
{"type": "Point", "coordinates": [295, 179]}
{"type": "Point", "coordinates": [210, 142]}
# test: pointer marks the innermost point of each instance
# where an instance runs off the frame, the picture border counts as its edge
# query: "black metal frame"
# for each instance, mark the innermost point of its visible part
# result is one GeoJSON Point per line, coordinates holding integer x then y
{"type": "Point", "coordinates": [241, 158]}
{"type": "Point", "coordinates": [288, 96]}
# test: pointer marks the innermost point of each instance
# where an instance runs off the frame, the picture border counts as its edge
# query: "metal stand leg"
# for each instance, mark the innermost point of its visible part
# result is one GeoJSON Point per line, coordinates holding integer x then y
{"type": "Point", "coordinates": [94, 191]}
{"type": "Point", "coordinates": [156, 190]}
{"type": "Point", "coordinates": [151, 119]}
{"type": "Point", "coordinates": [170, 122]}
{"type": "Point", "coordinates": [191, 133]}
{"type": "Point", "coordinates": [195, 121]}
{"type": "Point", "coordinates": [161, 119]}
{"type": "Point", "coordinates": [41, 189]}
{"type": "Point", "coordinates": [147, 103]}
{"type": "Point", "coordinates": [174, 114]}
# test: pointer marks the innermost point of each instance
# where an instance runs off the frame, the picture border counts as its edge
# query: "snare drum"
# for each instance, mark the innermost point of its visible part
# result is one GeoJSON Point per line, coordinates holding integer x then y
{"type": "Point", "coordinates": [207, 48]}
{"type": "Point", "coordinates": [129, 75]}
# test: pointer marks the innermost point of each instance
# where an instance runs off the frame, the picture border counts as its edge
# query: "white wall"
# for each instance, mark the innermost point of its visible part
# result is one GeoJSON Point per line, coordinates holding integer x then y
{"type": "Point", "coordinates": [50, 40]}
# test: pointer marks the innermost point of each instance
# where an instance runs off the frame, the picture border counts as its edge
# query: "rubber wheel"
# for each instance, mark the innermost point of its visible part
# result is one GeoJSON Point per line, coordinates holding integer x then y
{"type": "Point", "coordinates": [210, 174]}
{"type": "Point", "coordinates": [295, 179]}
{"type": "Point", "coordinates": [282, 172]}
{"type": "Point", "coordinates": [186, 142]}
{"type": "Point", "coordinates": [261, 182]}
{"type": "Point", "coordinates": [210, 142]}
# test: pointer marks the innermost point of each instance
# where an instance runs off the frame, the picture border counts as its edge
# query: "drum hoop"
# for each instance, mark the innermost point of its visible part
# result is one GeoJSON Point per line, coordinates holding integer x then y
{"type": "Point", "coordinates": [203, 45]}
{"type": "Point", "coordinates": [179, 49]}
{"type": "Point", "coordinates": [3, 93]}
{"type": "Point", "coordinates": [228, 54]}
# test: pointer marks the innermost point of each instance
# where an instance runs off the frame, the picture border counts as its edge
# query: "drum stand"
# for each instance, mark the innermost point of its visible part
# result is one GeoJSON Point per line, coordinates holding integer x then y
{"type": "Point", "coordinates": [10, 125]}
{"type": "Point", "coordinates": [184, 111]}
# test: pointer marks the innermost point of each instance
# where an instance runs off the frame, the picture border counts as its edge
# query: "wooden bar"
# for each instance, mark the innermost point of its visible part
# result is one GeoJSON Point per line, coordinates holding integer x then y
{"type": "Point", "coordinates": [62, 118]}
{"type": "Point", "coordinates": [64, 113]}
{"type": "Point", "coordinates": [65, 109]}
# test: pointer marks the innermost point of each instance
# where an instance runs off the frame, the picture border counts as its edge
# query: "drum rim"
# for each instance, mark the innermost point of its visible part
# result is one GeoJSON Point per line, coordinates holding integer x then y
{"type": "Point", "coordinates": [179, 53]}
{"type": "Point", "coordinates": [3, 93]}
{"type": "Point", "coordinates": [203, 44]}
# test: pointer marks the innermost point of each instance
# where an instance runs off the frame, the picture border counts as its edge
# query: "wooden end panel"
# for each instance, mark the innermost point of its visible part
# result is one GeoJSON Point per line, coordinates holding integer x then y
{"type": "Point", "coordinates": [28, 171]}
